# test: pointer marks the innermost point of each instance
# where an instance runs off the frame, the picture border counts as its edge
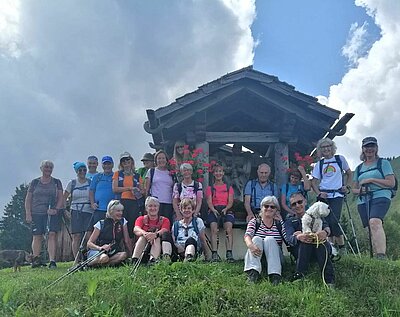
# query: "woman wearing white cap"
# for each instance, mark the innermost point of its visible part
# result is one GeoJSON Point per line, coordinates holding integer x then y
{"type": "Point", "coordinates": [127, 186]}
{"type": "Point", "coordinates": [373, 182]}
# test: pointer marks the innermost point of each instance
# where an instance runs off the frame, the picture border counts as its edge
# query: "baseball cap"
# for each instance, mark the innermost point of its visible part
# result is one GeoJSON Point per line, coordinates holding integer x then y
{"type": "Point", "coordinates": [107, 159]}
{"type": "Point", "coordinates": [125, 155]}
{"type": "Point", "coordinates": [369, 140]}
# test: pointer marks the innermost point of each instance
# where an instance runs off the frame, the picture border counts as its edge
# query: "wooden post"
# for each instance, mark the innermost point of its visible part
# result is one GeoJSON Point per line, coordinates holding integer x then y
{"type": "Point", "coordinates": [281, 163]}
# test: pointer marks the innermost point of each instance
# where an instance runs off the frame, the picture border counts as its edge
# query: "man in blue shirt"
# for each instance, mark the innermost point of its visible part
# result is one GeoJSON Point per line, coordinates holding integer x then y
{"type": "Point", "coordinates": [101, 192]}
{"type": "Point", "coordinates": [257, 189]}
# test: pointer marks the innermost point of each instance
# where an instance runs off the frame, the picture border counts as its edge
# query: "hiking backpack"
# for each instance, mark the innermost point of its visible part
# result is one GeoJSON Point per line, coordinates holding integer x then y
{"type": "Point", "coordinates": [378, 167]}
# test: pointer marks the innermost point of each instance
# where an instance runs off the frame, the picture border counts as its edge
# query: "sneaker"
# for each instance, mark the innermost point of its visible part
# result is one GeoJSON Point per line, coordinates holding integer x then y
{"type": "Point", "coordinates": [335, 256]}
{"type": "Point", "coordinates": [275, 279]}
{"type": "Point", "coordinates": [215, 257]}
{"type": "Point", "coordinates": [253, 276]}
{"type": "Point", "coordinates": [189, 258]}
{"type": "Point", "coordinates": [152, 262]}
{"type": "Point", "coordinates": [229, 257]}
{"type": "Point", "coordinates": [297, 276]}
{"type": "Point", "coordinates": [52, 265]}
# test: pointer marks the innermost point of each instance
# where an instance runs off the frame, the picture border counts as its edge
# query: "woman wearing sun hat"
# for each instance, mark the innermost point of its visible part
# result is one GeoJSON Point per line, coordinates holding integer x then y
{"type": "Point", "coordinates": [375, 177]}
{"type": "Point", "coordinates": [331, 175]}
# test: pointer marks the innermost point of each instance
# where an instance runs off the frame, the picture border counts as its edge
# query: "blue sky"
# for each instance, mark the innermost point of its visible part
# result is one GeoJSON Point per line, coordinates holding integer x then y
{"type": "Point", "coordinates": [301, 41]}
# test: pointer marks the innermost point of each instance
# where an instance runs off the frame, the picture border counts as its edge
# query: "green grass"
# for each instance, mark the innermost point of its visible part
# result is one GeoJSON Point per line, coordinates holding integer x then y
{"type": "Point", "coordinates": [364, 287]}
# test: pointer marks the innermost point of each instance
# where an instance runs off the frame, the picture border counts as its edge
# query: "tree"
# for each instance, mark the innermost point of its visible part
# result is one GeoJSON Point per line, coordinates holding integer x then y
{"type": "Point", "coordinates": [15, 234]}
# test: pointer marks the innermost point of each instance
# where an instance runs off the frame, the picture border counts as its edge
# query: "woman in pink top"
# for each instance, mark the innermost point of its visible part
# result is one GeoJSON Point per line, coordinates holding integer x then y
{"type": "Point", "coordinates": [220, 201]}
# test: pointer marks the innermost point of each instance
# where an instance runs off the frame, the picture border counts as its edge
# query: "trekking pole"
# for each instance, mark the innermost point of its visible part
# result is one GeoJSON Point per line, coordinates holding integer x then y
{"type": "Point", "coordinates": [367, 208]}
{"type": "Point", "coordinates": [146, 249]}
{"type": "Point", "coordinates": [77, 268]}
{"type": "Point", "coordinates": [352, 225]}
{"type": "Point", "coordinates": [66, 226]}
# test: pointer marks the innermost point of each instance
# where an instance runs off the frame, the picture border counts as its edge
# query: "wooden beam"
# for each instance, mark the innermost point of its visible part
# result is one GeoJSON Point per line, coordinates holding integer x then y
{"type": "Point", "coordinates": [246, 137]}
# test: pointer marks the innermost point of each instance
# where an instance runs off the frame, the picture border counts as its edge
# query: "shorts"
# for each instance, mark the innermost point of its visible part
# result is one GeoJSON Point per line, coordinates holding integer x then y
{"type": "Point", "coordinates": [335, 204]}
{"type": "Point", "coordinates": [97, 216]}
{"type": "Point", "coordinates": [40, 226]}
{"type": "Point", "coordinates": [131, 213]}
{"type": "Point", "coordinates": [80, 221]}
{"type": "Point", "coordinates": [378, 209]}
{"type": "Point", "coordinates": [229, 217]}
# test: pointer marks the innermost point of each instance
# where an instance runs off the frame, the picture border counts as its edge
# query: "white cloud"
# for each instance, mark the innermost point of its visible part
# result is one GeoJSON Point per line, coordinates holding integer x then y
{"type": "Point", "coordinates": [86, 71]}
{"type": "Point", "coordinates": [370, 90]}
{"type": "Point", "coordinates": [355, 46]}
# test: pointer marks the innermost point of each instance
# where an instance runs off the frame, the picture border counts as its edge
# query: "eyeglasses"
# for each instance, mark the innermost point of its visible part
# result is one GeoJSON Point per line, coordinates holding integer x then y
{"type": "Point", "coordinates": [295, 203]}
{"type": "Point", "coordinates": [80, 170]}
{"type": "Point", "coordinates": [326, 147]}
{"type": "Point", "coordinates": [270, 206]}
{"type": "Point", "coordinates": [180, 147]}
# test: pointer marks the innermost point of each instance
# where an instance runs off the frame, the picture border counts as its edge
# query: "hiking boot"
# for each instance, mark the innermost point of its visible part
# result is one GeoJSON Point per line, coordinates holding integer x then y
{"type": "Point", "coordinates": [275, 279]}
{"type": "Point", "coordinates": [335, 256]}
{"type": "Point", "coordinates": [381, 256]}
{"type": "Point", "coordinates": [189, 258]}
{"type": "Point", "coordinates": [229, 257]}
{"type": "Point", "coordinates": [152, 262]}
{"type": "Point", "coordinates": [253, 276]}
{"type": "Point", "coordinates": [52, 265]}
{"type": "Point", "coordinates": [215, 257]}
{"type": "Point", "coordinates": [36, 262]}
{"type": "Point", "coordinates": [297, 276]}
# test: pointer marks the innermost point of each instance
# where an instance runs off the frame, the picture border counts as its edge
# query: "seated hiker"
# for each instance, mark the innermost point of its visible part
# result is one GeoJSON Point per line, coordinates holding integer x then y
{"type": "Point", "coordinates": [108, 235]}
{"type": "Point", "coordinates": [297, 182]}
{"type": "Point", "coordinates": [257, 189]}
{"type": "Point", "coordinates": [188, 188]}
{"type": "Point", "coordinates": [150, 229]}
{"type": "Point", "coordinates": [265, 234]}
{"type": "Point", "coordinates": [304, 247]}
{"type": "Point", "coordinates": [188, 233]}
{"type": "Point", "coordinates": [220, 200]}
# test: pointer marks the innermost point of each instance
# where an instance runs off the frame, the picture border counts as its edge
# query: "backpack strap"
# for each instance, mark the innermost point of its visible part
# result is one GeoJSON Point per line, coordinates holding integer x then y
{"type": "Point", "coordinates": [34, 183]}
{"type": "Point", "coordinates": [152, 171]}
{"type": "Point", "coordinates": [195, 226]}
{"type": "Point", "coordinates": [176, 229]}
{"type": "Point", "coordinates": [253, 192]}
{"type": "Point", "coordinates": [278, 225]}
{"type": "Point", "coordinates": [321, 167]}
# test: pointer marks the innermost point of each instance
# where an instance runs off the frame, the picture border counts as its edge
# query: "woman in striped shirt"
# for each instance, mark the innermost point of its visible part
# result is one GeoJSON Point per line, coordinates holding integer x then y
{"type": "Point", "coordinates": [265, 235]}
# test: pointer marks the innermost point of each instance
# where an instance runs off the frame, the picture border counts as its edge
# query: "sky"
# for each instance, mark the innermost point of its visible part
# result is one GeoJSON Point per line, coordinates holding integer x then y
{"type": "Point", "coordinates": [77, 76]}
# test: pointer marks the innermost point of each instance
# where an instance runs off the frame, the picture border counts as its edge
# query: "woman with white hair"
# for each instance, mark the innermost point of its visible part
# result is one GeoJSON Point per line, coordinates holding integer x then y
{"type": "Point", "coordinates": [188, 188]}
{"type": "Point", "coordinates": [44, 206]}
{"type": "Point", "coordinates": [265, 235]}
{"type": "Point", "coordinates": [151, 230]}
{"type": "Point", "coordinates": [108, 235]}
{"type": "Point", "coordinates": [331, 175]}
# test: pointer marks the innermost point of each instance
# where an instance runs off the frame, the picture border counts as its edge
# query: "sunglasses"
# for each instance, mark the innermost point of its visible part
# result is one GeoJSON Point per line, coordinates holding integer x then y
{"type": "Point", "coordinates": [115, 203]}
{"type": "Point", "coordinates": [186, 229]}
{"type": "Point", "coordinates": [126, 159]}
{"type": "Point", "coordinates": [295, 203]}
{"type": "Point", "coordinates": [180, 147]}
{"type": "Point", "coordinates": [80, 170]}
{"type": "Point", "coordinates": [270, 206]}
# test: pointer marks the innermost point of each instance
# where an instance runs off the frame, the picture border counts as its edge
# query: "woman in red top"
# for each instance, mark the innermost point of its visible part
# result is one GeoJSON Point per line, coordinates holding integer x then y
{"type": "Point", "coordinates": [151, 229]}
{"type": "Point", "coordinates": [127, 186]}
{"type": "Point", "coordinates": [220, 201]}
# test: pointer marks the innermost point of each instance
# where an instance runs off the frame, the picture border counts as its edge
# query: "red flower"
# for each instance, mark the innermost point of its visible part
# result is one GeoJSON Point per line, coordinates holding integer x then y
{"type": "Point", "coordinates": [195, 154]}
{"type": "Point", "coordinates": [186, 147]}
{"type": "Point", "coordinates": [199, 171]}
{"type": "Point", "coordinates": [200, 180]}
{"type": "Point", "coordinates": [186, 151]}
{"type": "Point", "coordinates": [191, 162]}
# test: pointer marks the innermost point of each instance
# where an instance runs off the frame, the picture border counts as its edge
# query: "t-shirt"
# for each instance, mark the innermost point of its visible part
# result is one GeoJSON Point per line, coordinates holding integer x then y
{"type": "Point", "coordinates": [263, 231]}
{"type": "Point", "coordinates": [188, 191]}
{"type": "Point", "coordinates": [90, 175]}
{"type": "Point", "coordinates": [80, 196]}
{"type": "Point", "coordinates": [220, 195]}
{"type": "Point", "coordinates": [162, 184]}
{"type": "Point", "coordinates": [44, 196]}
{"type": "Point", "coordinates": [332, 177]}
{"type": "Point", "coordinates": [142, 171]}
{"type": "Point", "coordinates": [97, 225]}
{"type": "Point", "coordinates": [185, 231]}
{"type": "Point", "coordinates": [371, 171]}
{"type": "Point", "coordinates": [269, 189]}
{"type": "Point", "coordinates": [101, 185]}
{"type": "Point", "coordinates": [152, 223]}
{"type": "Point", "coordinates": [291, 189]}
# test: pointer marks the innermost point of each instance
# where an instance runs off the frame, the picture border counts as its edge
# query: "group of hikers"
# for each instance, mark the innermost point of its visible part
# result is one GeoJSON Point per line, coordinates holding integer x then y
{"type": "Point", "coordinates": [148, 215]}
